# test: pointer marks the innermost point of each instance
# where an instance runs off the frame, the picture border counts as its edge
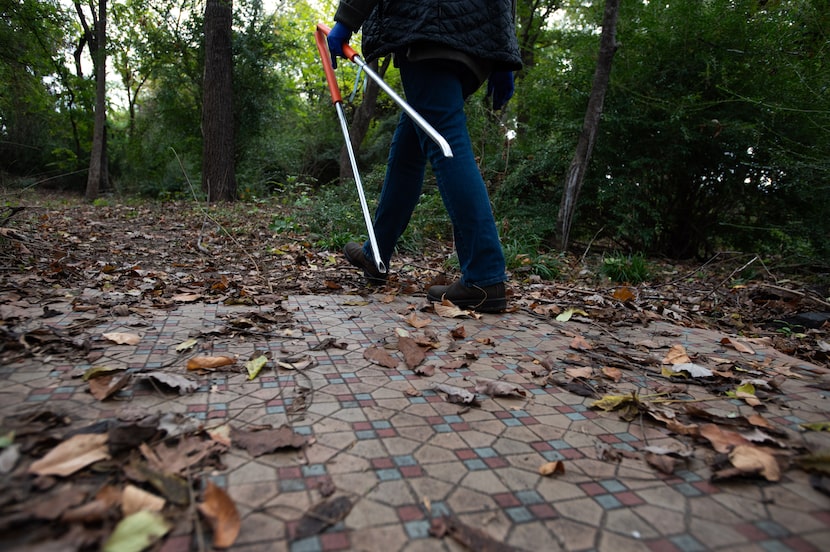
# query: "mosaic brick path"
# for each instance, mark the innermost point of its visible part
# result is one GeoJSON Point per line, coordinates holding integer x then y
{"type": "Point", "coordinates": [405, 457]}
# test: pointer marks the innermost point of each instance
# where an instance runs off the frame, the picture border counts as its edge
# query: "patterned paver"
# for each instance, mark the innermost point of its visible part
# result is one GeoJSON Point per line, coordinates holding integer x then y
{"type": "Point", "coordinates": [405, 458]}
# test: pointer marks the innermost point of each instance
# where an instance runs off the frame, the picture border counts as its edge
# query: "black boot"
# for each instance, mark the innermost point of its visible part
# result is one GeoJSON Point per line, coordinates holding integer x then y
{"type": "Point", "coordinates": [482, 299]}
{"type": "Point", "coordinates": [354, 254]}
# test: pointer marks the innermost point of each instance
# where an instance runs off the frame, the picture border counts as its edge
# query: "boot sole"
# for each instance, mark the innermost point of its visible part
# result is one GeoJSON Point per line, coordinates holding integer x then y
{"type": "Point", "coordinates": [492, 305]}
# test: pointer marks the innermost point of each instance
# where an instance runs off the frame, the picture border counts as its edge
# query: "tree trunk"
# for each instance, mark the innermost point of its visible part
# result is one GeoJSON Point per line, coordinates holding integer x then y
{"type": "Point", "coordinates": [98, 174]}
{"type": "Point", "coordinates": [362, 117]}
{"type": "Point", "coordinates": [218, 171]}
{"type": "Point", "coordinates": [587, 138]}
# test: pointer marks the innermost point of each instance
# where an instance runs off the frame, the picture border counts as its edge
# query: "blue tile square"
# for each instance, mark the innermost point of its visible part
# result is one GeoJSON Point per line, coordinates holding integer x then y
{"type": "Point", "coordinates": [442, 428]}
{"type": "Point", "coordinates": [363, 397]}
{"type": "Point", "coordinates": [314, 469]}
{"type": "Point", "coordinates": [274, 409]}
{"type": "Point", "coordinates": [309, 544]}
{"type": "Point", "coordinates": [366, 434]}
{"type": "Point", "coordinates": [575, 416]}
{"type": "Point", "coordinates": [772, 529]}
{"type": "Point", "coordinates": [511, 422]}
{"type": "Point", "coordinates": [475, 464]}
{"type": "Point", "coordinates": [688, 490]}
{"type": "Point", "coordinates": [417, 400]}
{"type": "Point", "coordinates": [529, 497]}
{"type": "Point", "coordinates": [406, 460]}
{"type": "Point", "coordinates": [609, 502]}
{"type": "Point", "coordinates": [381, 424]}
{"type": "Point", "coordinates": [349, 404]}
{"type": "Point", "coordinates": [613, 486]}
{"type": "Point", "coordinates": [291, 485]}
{"type": "Point", "coordinates": [626, 437]}
{"type": "Point", "coordinates": [520, 414]}
{"type": "Point", "coordinates": [388, 474]}
{"type": "Point", "coordinates": [519, 514]}
{"type": "Point", "coordinates": [559, 444]}
{"type": "Point", "coordinates": [439, 508]}
{"type": "Point", "coordinates": [485, 452]}
{"type": "Point", "coordinates": [336, 380]}
{"type": "Point", "coordinates": [686, 475]}
{"type": "Point", "coordinates": [417, 529]}
{"type": "Point", "coordinates": [453, 419]}
{"type": "Point", "coordinates": [552, 455]}
{"type": "Point", "coordinates": [304, 430]}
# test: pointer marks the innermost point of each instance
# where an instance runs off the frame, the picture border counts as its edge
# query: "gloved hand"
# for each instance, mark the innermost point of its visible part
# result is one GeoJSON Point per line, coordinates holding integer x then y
{"type": "Point", "coordinates": [338, 35]}
{"type": "Point", "coordinates": [500, 86]}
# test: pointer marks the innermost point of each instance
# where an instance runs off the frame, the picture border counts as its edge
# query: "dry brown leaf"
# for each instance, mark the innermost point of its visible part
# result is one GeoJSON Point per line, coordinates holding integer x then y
{"type": "Point", "coordinates": [426, 371]}
{"type": "Point", "coordinates": [135, 500]}
{"type": "Point", "coordinates": [378, 356]}
{"type": "Point", "coordinates": [186, 297]}
{"type": "Point", "coordinates": [456, 394]}
{"type": "Point", "coordinates": [209, 362]}
{"type": "Point", "coordinates": [584, 372]}
{"type": "Point", "coordinates": [123, 338]}
{"type": "Point", "coordinates": [268, 440]}
{"type": "Point", "coordinates": [412, 392]}
{"type": "Point", "coordinates": [105, 387]}
{"type": "Point", "coordinates": [722, 440]}
{"type": "Point", "coordinates": [74, 454]}
{"type": "Point", "coordinates": [623, 294]}
{"type": "Point", "coordinates": [662, 462]}
{"type": "Point", "coordinates": [446, 309]}
{"type": "Point", "coordinates": [416, 321]}
{"type": "Point", "coordinates": [614, 374]}
{"type": "Point", "coordinates": [751, 459]}
{"type": "Point", "coordinates": [580, 344]}
{"type": "Point", "coordinates": [677, 355]}
{"type": "Point", "coordinates": [413, 355]}
{"type": "Point", "coordinates": [458, 332]}
{"type": "Point", "coordinates": [222, 515]}
{"type": "Point", "coordinates": [322, 515]}
{"type": "Point", "coordinates": [737, 345]}
{"type": "Point", "coordinates": [552, 468]}
{"type": "Point", "coordinates": [495, 388]}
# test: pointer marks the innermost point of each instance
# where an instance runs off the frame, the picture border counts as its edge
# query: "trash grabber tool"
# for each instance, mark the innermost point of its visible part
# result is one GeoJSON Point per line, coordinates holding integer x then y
{"type": "Point", "coordinates": [337, 100]}
{"type": "Point", "coordinates": [355, 58]}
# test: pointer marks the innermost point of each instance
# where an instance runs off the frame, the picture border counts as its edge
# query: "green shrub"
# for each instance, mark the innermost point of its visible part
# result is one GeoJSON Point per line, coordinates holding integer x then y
{"type": "Point", "coordinates": [629, 269]}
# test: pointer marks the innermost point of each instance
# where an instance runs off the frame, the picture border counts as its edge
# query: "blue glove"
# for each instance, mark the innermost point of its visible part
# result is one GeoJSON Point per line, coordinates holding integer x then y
{"type": "Point", "coordinates": [500, 86]}
{"type": "Point", "coordinates": [338, 35]}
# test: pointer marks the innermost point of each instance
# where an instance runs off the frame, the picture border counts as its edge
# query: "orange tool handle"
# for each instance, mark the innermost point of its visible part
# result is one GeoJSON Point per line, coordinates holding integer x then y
{"type": "Point", "coordinates": [325, 58]}
{"type": "Point", "coordinates": [348, 50]}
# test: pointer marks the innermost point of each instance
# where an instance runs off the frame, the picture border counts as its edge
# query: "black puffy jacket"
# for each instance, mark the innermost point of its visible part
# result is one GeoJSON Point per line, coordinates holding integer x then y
{"type": "Point", "coordinates": [480, 28]}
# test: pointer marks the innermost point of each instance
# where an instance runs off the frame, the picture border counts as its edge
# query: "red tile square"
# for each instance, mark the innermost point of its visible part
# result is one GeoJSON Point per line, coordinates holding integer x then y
{"type": "Point", "coordinates": [497, 462]}
{"type": "Point", "coordinates": [176, 544]}
{"type": "Point", "coordinates": [411, 471]}
{"type": "Point", "coordinates": [361, 426]}
{"type": "Point", "coordinates": [506, 500]}
{"type": "Point", "coordinates": [466, 454]}
{"type": "Point", "coordinates": [798, 544]}
{"type": "Point", "coordinates": [387, 432]}
{"type": "Point", "coordinates": [382, 463]}
{"type": "Point", "coordinates": [293, 472]}
{"type": "Point", "coordinates": [410, 513]}
{"type": "Point", "coordinates": [608, 438]}
{"type": "Point", "coordinates": [751, 532]}
{"type": "Point", "coordinates": [629, 499]}
{"type": "Point", "coordinates": [705, 487]}
{"type": "Point", "coordinates": [593, 489]}
{"type": "Point", "coordinates": [823, 516]}
{"type": "Point", "coordinates": [335, 541]}
{"type": "Point", "coordinates": [461, 426]}
{"type": "Point", "coordinates": [571, 454]}
{"type": "Point", "coordinates": [541, 446]}
{"type": "Point", "coordinates": [543, 511]}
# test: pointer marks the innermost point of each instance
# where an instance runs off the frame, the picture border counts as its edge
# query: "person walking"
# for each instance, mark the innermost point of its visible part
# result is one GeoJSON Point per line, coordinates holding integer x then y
{"type": "Point", "coordinates": [445, 50]}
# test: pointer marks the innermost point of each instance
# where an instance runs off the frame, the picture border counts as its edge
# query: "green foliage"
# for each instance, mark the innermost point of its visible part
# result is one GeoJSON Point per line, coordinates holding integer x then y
{"type": "Point", "coordinates": [524, 258]}
{"type": "Point", "coordinates": [625, 269]}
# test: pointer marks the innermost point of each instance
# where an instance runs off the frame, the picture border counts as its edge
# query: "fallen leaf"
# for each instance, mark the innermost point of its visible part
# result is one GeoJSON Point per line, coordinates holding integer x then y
{"type": "Point", "coordinates": [552, 468]}
{"type": "Point", "coordinates": [186, 345]}
{"type": "Point", "coordinates": [186, 297]}
{"type": "Point", "coordinates": [750, 459]}
{"type": "Point", "coordinates": [222, 515]}
{"type": "Point", "coordinates": [266, 441]}
{"type": "Point", "coordinates": [74, 454]}
{"type": "Point", "coordinates": [469, 537]}
{"type": "Point", "coordinates": [737, 345]}
{"type": "Point", "coordinates": [816, 426]}
{"type": "Point", "coordinates": [688, 369]}
{"type": "Point", "coordinates": [567, 314]}
{"type": "Point", "coordinates": [134, 499]}
{"type": "Point", "coordinates": [98, 371]}
{"type": "Point", "coordinates": [104, 387]}
{"type": "Point", "coordinates": [136, 532]}
{"type": "Point", "coordinates": [584, 372]}
{"type": "Point", "coordinates": [123, 338]}
{"type": "Point", "coordinates": [579, 343]}
{"type": "Point", "coordinates": [614, 374]}
{"type": "Point", "coordinates": [677, 355]}
{"type": "Point", "coordinates": [623, 294]}
{"type": "Point", "coordinates": [416, 321]}
{"type": "Point", "coordinates": [495, 388]}
{"type": "Point", "coordinates": [455, 394]}
{"type": "Point", "coordinates": [255, 366]}
{"type": "Point", "coordinates": [412, 392]}
{"type": "Point", "coordinates": [413, 355]}
{"type": "Point", "coordinates": [446, 309]}
{"type": "Point", "coordinates": [722, 440]}
{"type": "Point", "coordinates": [378, 356]}
{"type": "Point", "coordinates": [459, 332]}
{"type": "Point", "coordinates": [661, 462]}
{"type": "Point", "coordinates": [322, 515]}
{"type": "Point", "coordinates": [426, 371]}
{"type": "Point", "coordinates": [209, 362]}
{"type": "Point", "coordinates": [173, 381]}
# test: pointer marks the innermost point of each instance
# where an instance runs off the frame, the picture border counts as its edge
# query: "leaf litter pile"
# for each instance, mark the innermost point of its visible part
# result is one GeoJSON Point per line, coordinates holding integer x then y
{"type": "Point", "coordinates": [127, 482]}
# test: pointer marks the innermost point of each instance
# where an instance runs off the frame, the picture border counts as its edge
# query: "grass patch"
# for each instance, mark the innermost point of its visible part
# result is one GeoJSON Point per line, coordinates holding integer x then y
{"type": "Point", "coordinates": [625, 269]}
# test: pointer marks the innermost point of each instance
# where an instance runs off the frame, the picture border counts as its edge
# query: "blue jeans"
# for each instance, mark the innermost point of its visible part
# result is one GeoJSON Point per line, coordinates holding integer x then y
{"type": "Point", "coordinates": [435, 90]}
